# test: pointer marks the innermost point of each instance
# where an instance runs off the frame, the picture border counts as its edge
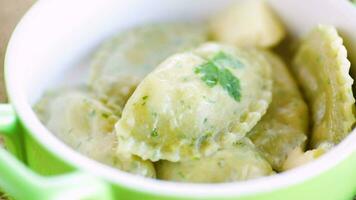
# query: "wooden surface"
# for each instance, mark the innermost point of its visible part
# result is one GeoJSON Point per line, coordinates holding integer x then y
{"type": "Point", "coordinates": [10, 13]}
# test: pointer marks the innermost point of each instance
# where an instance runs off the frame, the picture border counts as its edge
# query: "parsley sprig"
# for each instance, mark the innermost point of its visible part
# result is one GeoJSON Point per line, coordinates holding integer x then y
{"type": "Point", "coordinates": [215, 71]}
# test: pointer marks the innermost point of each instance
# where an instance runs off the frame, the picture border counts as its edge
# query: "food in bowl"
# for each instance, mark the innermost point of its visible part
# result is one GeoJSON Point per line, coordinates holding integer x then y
{"type": "Point", "coordinates": [208, 102]}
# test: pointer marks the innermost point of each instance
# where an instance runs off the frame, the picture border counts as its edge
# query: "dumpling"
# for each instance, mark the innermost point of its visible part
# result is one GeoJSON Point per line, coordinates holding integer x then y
{"type": "Point", "coordinates": [322, 69]}
{"type": "Point", "coordinates": [298, 157]}
{"type": "Point", "coordinates": [122, 62]}
{"type": "Point", "coordinates": [196, 102]}
{"type": "Point", "coordinates": [239, 162]}
{"type": "Point", "coordinates": [283, 128]}
{"type": "Point", "coordinates": [249, 23]}
{"type": "Point", "coordinates": [86, 125]}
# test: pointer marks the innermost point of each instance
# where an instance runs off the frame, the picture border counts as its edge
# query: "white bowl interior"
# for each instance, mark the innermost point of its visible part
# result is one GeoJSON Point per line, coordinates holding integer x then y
{"type": "Point", "coordinates": [53, 42]}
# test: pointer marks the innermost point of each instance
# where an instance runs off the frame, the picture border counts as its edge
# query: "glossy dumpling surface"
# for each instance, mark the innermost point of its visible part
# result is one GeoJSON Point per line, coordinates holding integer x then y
{"type": "Point", "coordinates": [285, 124]}
{"type": "Point", "coordinates": [86, 125]}
{"type": "Point", "coordinates": [121, 63]}
{"type": "Point", "coordinates": [239, 162]}
{"type": "Point", "coordinates": [196, 102]}
{"type": "Point", "coordinates": [322, 69]}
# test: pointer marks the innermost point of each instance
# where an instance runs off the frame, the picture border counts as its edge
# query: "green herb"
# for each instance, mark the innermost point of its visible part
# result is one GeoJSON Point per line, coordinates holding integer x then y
{"type": "Point", "coordinates": [215, 71]}
{"type": "Point", "coordinates": [205, 120]}
{"type": "Point", "coordinates": [144, 98]}
{"type": "Point", "coordinates": [105, 115]}
{"type": "Point", "coordinates": [209, 72]}
{"type": "Point", "coordinates": [224, 60]}
{"type": "Point", "coordinates": [154, 132]}
{"type": "Point", "coordinates": [202, 139]}
{"type": "Point", "coordinates": [239, 143]}
{"type": "Point", "coordinates": [181, 101]}
{"type": "Point", "coordinates": [230, 83]}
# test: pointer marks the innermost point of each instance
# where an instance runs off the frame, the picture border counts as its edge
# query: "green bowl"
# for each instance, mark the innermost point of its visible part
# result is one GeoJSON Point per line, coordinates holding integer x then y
{"type": "Point", "coordinates": [52, 43]}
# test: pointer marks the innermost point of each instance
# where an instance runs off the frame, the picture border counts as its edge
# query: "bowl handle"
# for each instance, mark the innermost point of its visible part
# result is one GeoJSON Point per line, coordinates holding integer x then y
{"type": "Point", "coordinates": [22, 183]}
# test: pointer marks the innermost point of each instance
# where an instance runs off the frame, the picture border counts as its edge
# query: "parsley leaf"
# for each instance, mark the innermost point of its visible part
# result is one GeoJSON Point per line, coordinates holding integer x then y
{"type": "Point", "coordinates": [230, 83]}
{"type": "Point", "coordinates": [209, 72]}
{"type": "Point", "coordinates": [215, 71]}
{"type": "Point", "coordinates": [224, 60]}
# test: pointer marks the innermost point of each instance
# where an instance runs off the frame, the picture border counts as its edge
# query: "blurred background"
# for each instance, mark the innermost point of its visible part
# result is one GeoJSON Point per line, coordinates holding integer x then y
{"type": "Point", "coordinates": [10, 13]}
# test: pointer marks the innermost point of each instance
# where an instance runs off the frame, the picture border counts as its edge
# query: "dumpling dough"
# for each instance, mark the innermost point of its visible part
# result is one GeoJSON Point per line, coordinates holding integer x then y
{"type": "Point", "coordinates": [87, 125]}
{"type": "Point", "coordinates": [250, 23]}
{"type": "Point", "coordinates": [322, 69]}
{"type": "Point", "coordinates": [284, 126]}
{"type": "Point", "coordinates": [176, 113]}
{"type": "Point", "coordinates": [239, 162]}
{"type": "Point", "coordinates": [122, 62]}
{"type": "Point", "coordinates": [298, 157]}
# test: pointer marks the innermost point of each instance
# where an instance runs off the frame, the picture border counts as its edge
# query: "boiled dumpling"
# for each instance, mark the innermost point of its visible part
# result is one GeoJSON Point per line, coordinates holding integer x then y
{"type": "Point", "coordinates": [121, 63]}
{"type": "Point", "coordinates": [322, 69]}
{"type": "Point", "coordinates": [86, 125]}
{"type": "Point", "coordinates": [242, 161]}
{"type": "Point", "coordinates": [196, 102]}
{"type": "Point", "coordinates": [285, 124]}
{"type": "Point", "coordinates": [298, 157]}
{"type": "Point", "coordinates": [249, 23]}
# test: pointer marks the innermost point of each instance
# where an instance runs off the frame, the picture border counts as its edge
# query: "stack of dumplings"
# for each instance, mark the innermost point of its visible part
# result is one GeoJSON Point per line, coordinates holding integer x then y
{"type": "Point", "coordinates": [208, 102]}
